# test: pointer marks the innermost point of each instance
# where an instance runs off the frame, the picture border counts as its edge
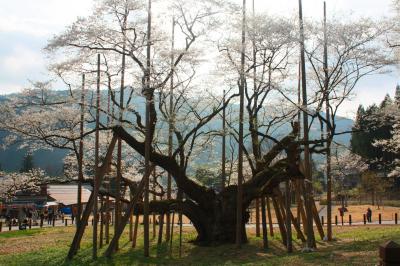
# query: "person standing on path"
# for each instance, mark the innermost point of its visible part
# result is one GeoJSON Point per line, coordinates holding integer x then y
{"type": "Point", "coordinates": [369, 215]}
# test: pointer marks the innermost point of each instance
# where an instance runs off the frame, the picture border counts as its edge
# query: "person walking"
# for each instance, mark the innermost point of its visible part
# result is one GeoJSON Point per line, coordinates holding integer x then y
{"type": "Point", "coordinates": [50, 216]}
{"type": "Point", "coordinates": [369, 215]}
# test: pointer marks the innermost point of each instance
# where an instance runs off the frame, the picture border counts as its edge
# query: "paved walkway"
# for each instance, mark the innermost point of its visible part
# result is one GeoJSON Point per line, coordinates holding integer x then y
{"type": "Point", "coordinates": [59, 223]}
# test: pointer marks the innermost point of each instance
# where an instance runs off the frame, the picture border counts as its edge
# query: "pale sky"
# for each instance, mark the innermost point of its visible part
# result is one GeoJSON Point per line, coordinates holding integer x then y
{"type": "Point", "coordinates": [27, 25]}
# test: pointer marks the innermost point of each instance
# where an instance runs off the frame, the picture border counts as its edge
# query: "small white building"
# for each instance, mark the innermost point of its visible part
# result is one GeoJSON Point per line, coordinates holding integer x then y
{"type": "Point", "coordinates": [68, 194]}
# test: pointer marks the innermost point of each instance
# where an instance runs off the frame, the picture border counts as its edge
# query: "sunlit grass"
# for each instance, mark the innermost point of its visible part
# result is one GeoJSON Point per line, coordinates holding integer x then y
{"type": "Point", "coordinates": [354, 246]}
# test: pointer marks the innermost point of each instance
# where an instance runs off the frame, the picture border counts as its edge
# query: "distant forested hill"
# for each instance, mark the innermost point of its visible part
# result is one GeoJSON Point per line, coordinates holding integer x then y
{"type": "Point", "coordinates": [52, 161]}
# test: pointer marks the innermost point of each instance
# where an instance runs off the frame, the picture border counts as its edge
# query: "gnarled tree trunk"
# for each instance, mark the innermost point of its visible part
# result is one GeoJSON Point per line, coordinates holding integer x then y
{"type": "Point", "coordinates": [214, 214]}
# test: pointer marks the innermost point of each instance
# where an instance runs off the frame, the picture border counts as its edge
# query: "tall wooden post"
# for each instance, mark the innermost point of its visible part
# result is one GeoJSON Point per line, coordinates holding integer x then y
{"type": "Point", "coordinates": [154, 199]}
{"type": "Point", "coordinates": [328, 135]}
{"type": "Point", "coordinates": [107, 203]}
{"type": "Point", "coordinates": [160, 229]}
{"type": "Point", "coordinates": [80, 156]}
{"type": "Point", "coordinates": [96, 162]}
{"type": "Point", "coordinates": [255, 91]}
{"type": "Point", "coordinates": [258, 217]}
{"type": "Point", "coordinates": [172, 232]}
{"type": "Point", "coordinates": [180, 232]}
{"type": "Point", "coordinates": [101, 221]}
{"type": "Point", "coordinates": [148, 139]}
{"type": "Point", "coordinates": [271, 225]}
{"type": "Point", "coordinates": [223, 159]}
{"type": "Point", "coordinates": [131, 227]}
{"type": "Point", "coordinates": [239, 200]}
{"type": "Point", "coordinates": [171, 128]}
{"type": "Point", "coordinates": [117, 209]}
{"type": "Point", "coordinates": [307, 162]}
{"type": "Point", "coordinates": [135, 231]}
{"type": "Point", "coordinates": [264, 223]}
{"type": "Point", "coordinates": [289, 243]}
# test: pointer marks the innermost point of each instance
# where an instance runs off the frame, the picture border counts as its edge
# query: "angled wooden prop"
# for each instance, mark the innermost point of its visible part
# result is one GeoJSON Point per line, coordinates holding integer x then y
{"type": "Point", "coordinates": [293, 220]}
{"type": "Point", "coordinates": [280, 220]}
{"type": "Point", "coordinates": [271, 226]}
{"type": "Point", "coordinates": [125, 218]}
{"type": "Point", "coordinates": [89, 206]}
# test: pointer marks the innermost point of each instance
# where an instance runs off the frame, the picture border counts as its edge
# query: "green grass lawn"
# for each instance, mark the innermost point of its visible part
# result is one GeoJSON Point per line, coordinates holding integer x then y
{"type": "Point", "coordinates": [354, 246]}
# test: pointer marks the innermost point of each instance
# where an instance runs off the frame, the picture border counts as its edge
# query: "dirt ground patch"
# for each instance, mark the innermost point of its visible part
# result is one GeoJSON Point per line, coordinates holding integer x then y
{"type": "Point", "coordinates": [357, 212]}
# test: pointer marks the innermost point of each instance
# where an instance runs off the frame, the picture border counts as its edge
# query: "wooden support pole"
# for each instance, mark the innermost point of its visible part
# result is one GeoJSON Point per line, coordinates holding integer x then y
{"type": "Point", "coordinates": [125, 218]}
{"type": "Point", "coordinates": [89, 206]}
{"type": "Point", "coordinates": [289, 242]}
{"type": "Point", "coordinates": [300, 206]}
{"type": "Point", "coordinates": [171, 236]}
{"type": "Point", "coordinates": [135, 231]}
{"type": "Point", "coordinates": [110, 117]}
{"type": "Point", "coordinates": [291, 217]}
{"type": "Point", "coordinates": [281, 204]}
{"type": "Point", "coordinates": [254, 118]}
{"type": "Point", "coordinates": [131, 228]}
{"type": "Point", "coordinates": [96, 181]}
{"type": "Point", "coordinates": [258, 216]}
{"type": "Point", "coordinates": [154, 199]}
{"type": "Point", "coordinates": [296, 222]}
{"type": "Point", "coordinates": [395, 218]}
{"type": "Point", "coordinates": [170, 128]}
{"type": "Point", "coordinates": [223, 159]}
{"type": "Point", "coordinates": [280, 220]}
{"type": "Point", "coordinates": [180, 233]}
{"type": "Point", "coordinates": [296, 226]}
{"type": "Point", "coordinates": [264, 223]}
{"type": "Point", "coordinates": [316, 219]}
{"type": "Point", "coordinates": [328, 134]}
{"type": "Point", "coordinates": [307, 160]}
{"type": "Point", "coordinates": [80, 153]}
{"type": "Point", "coordinates": [107, 220]}
{"type": "Point", "coordinates": [117, 209]}
{"type": "Point", "coordinates": [148, 140]}
{"type": "Point", "coordinates": [160, 229]}
{"type": "Point", "coordinates": [239, 199]}
{"type": "Point", "coordinates": [271, 225]}
{"type": "Point", "coordinates": [101, 222]}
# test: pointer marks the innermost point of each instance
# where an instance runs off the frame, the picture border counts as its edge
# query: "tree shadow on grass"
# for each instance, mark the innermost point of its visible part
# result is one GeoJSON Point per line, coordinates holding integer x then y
{"type": "Point", "coordinates": [341, 252]}
{"type": "Point", "coordinates": [191, 255]}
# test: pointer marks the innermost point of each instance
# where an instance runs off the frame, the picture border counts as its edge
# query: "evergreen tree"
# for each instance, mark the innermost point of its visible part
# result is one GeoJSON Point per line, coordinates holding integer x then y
{"type": "Point", "coordinates": [358, 137]}
{"type": "Point", "coordinates": [397, 95]}
{"type": "Point", "coordinates": [27, 163]}
{"type": "Point", "coordinates": [386, 102]}
{"type": "Point", "coordinates": [372, 124]}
